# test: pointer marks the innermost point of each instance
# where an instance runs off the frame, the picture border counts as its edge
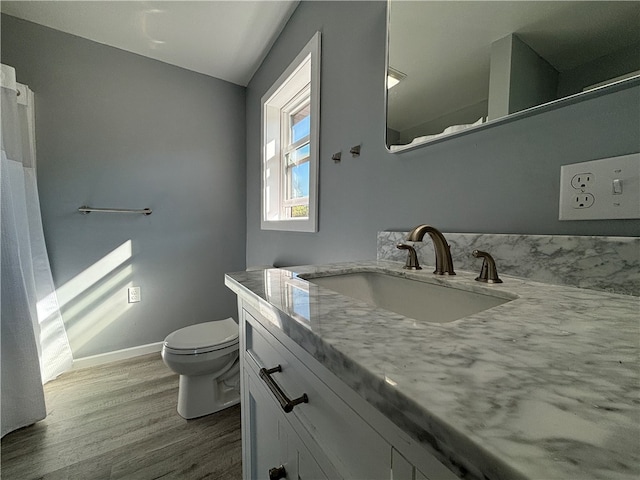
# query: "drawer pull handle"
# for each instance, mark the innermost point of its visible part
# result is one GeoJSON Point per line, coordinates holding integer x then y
{"type": "Point", "coordinates": [286, 403]}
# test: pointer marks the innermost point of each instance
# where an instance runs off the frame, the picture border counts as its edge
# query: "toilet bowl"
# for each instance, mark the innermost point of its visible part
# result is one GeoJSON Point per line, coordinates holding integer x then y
{"type": "Point", "coordinates": [206, 356]}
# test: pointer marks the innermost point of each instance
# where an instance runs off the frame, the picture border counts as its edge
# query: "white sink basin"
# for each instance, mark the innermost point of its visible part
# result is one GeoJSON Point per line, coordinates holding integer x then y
{"type": "Point", "coordinates": [411, 298]}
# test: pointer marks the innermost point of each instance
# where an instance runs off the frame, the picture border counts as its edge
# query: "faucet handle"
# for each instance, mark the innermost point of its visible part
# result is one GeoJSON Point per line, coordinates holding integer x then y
{"type": "Point", "coordinates": [412, 257]}
{"type": "Point", "coordinates": [488, 271]}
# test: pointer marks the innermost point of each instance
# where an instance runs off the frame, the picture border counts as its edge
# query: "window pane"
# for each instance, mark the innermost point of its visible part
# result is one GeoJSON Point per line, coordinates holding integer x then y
{"type": "Point", "coordinates": [299, 178]}
{"type": "Point", "coordinates": [298, 155]}
{"type": "Point", "coordinates": [300, 124]}
{"type": "Point", "coordinates": [300, 211]}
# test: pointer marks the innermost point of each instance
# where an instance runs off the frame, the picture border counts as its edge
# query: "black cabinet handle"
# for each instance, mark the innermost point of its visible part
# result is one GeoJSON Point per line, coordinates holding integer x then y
{"type": "Point", "coordinates": [285, 402]}
{"type": "Point", "coordinates": [276, 473]}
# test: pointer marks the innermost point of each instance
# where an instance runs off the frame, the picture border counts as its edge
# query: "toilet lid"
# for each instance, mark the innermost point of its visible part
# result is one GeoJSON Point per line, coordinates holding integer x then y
{"type": "Point", "coordinates": [208, 335]}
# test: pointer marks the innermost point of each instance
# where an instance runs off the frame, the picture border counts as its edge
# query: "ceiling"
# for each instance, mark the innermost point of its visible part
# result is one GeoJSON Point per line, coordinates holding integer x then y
{"type": "Point", "coordinates": [223, 39]}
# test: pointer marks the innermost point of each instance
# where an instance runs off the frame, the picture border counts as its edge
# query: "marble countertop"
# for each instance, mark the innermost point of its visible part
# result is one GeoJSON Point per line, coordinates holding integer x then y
{"type": "Point", "coordinates": [544, 386]}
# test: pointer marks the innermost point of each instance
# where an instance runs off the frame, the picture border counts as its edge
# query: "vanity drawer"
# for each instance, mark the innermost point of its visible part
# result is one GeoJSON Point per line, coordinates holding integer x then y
{"type": "Point", "coordinates": [352, 445]}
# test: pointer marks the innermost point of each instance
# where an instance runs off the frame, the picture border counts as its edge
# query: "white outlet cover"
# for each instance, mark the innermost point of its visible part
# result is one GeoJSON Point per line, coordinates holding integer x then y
{"type": "Point", "coordinates": [603, 175]}
{"type": "Point", "coordinates": [134, 294]}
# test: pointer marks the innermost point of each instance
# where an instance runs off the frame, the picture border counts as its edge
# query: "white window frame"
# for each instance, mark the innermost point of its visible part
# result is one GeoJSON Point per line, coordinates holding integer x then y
{"type": "Point", "coordinates": [287, 95]}
{"type": "Point", "coordinates": [296, 104]}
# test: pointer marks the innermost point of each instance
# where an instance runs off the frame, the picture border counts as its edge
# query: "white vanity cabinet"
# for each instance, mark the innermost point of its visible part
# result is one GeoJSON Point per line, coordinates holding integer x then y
{"type": "Point", "coordinates": [326, 436]}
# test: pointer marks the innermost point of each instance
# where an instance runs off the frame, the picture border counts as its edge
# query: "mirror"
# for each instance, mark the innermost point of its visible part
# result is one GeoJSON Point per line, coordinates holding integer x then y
{"type": "Point", "coordinates": [460, 65]}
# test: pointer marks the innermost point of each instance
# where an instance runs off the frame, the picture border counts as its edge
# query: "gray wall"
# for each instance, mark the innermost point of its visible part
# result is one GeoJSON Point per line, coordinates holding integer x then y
{"type": "Point", "coordinates": [519, 78]}
{"type": "Point", "coordinates": [118, 130]}
{"type": "Point", "coordinates": [501, 180]}
{"type": "Point", "coordinates": [613, 65]}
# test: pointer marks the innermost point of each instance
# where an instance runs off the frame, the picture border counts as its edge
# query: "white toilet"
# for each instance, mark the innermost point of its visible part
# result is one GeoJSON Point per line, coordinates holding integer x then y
{"type": "Point", "coordinates": [206, 356]}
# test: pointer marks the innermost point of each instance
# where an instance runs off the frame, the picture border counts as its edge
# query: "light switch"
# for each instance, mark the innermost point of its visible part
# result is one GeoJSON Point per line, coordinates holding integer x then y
{"type": "Point", "coordinates": [617, 186]}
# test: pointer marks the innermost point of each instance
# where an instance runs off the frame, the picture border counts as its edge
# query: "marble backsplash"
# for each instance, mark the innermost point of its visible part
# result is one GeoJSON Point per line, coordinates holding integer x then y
{"type": "Point", "coordinates": [610, 264]}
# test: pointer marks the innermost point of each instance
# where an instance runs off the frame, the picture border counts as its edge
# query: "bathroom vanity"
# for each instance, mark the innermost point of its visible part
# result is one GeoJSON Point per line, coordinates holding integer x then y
{"type": "Point", "coordinates": [542, 385]}
{"type": "Point", "coordinates": [332, 433]}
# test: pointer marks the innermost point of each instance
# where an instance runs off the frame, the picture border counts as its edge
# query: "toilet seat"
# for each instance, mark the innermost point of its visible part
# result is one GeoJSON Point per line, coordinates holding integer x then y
{"type": "Point", "coordinates": [203, 338]}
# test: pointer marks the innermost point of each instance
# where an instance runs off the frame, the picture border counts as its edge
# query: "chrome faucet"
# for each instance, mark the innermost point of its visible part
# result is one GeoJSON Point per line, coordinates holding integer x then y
{"type": "Point", "coordinates": [444, 263]}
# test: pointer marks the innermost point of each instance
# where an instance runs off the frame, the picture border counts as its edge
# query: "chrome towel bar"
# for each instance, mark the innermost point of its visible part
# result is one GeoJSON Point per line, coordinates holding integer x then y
{"type": "Point", "coordinates": [85, 210]}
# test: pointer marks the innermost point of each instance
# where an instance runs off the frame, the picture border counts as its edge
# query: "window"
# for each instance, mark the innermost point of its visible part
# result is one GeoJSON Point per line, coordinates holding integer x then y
{"type": "Point", "coordinates": [290, 126]}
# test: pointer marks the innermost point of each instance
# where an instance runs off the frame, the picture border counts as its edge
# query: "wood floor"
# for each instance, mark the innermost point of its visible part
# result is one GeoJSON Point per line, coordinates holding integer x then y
{"type": "Point", "coordinates": [120, 421]}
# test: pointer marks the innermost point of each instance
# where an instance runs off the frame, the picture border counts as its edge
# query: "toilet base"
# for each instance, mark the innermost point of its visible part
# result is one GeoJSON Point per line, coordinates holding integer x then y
{"type": "Point", "coordinates": [200, 395]}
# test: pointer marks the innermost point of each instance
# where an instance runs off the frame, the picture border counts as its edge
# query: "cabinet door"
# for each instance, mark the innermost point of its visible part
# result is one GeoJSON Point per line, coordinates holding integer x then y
{"type": "Point", "coordinates": [266, 437]}
{"type": "Point", "coordinates": [273, 444]}
{"type": "Point", "coordinates": [308, 468]}
{"type": "Point", "coordinates": [402, 469]}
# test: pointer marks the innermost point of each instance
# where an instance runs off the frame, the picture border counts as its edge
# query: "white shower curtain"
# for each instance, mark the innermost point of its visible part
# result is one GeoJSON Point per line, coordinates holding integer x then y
{"type": "Point", "coordinates": [34, 346]}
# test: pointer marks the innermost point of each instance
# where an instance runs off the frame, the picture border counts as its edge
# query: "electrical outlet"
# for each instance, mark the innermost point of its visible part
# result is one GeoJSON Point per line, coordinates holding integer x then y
{"type": "Point", "coordinates": [582, 181]}
{"type": "Point", "coordinates": [584, 200]}
{"type": "Point", "coordinates": [601, 189]}
{"type": "Point", "coordinates": [134, 294]}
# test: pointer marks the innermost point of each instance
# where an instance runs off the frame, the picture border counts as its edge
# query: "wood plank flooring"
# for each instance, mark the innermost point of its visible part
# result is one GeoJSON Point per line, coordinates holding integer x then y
{"type": "Point", "coordinates": [119, 421]}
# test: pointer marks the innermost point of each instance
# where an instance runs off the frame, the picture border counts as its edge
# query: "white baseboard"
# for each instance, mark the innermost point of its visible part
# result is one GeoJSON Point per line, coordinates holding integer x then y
{"type": "Point", "coordinates": [109, 357]}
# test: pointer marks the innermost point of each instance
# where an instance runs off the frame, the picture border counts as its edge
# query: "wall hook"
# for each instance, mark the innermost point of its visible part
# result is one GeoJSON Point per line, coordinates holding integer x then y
{"type": "Point", "coordinates": [336, 157]}
{"type": "Point", "coordinates": [355, 151]}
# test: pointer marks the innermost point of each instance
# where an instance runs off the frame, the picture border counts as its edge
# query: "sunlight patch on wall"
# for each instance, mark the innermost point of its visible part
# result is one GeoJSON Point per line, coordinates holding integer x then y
{"type": "Point", "coordinates": [85, 305]}
{"type": "Point", "coordinates": [105, 312]}
{"type": "Point", "coordinates": [95, 298]}
{"type": "Point", "coordinates": [96, 272]}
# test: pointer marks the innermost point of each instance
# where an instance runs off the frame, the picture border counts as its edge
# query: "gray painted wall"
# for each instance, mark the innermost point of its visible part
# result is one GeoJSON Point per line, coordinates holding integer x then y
{"type": "Point", "coordinates": [118, 130]}
{"type": "Point", "coordinates": [613, 65]}
{"type": "Point", "coordinates": [519, 78]}
{"type": "Point", "coordinates": [501, 180]}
